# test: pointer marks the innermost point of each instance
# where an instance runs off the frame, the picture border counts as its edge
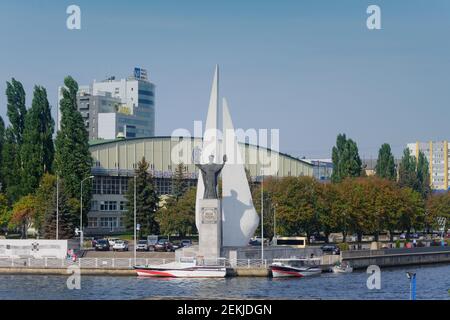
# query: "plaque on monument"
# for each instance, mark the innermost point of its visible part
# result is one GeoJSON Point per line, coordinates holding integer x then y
{"type": "Point", "coordinates": [209, 215]}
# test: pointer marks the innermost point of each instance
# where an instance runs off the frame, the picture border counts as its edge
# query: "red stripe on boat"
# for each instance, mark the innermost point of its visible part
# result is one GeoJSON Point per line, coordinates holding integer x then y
{"type": "Point", "coordinates": [155, 273]}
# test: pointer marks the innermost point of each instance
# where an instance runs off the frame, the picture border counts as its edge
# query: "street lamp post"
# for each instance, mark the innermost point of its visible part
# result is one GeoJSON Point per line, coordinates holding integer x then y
{"type": "Point", "coordinates": [274, 220]}
{"type": "Point", "coordinates": [135, 242]}
{"type": "Point", "coordinates": [81, 211]}
{"type": "Point", "coordinates": [57, 207]}
{"type": "Point", "coordinates": [262, 215]}
{"type": "Point", "coordinates": [412, 285]}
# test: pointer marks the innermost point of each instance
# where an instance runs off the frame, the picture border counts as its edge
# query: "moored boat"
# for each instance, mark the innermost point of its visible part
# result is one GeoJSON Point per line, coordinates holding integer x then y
{"type": "Point", "coordinates": [181, 269]}
{"type": "Point", "coordinates": [295, 267]}
{"type": "Point", "coordinates": [342, 268]}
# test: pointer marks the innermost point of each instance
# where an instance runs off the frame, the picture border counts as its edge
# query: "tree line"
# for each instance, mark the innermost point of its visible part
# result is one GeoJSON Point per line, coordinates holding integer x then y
{"type": "Point", "coordinates": [395, 199]}
{"type": "Point", "coordinates": [34, 164]}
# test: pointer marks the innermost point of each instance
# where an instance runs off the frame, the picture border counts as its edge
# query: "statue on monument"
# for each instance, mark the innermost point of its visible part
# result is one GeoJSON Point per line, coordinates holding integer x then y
{"type": "Point", "coordinates": [210, 174]}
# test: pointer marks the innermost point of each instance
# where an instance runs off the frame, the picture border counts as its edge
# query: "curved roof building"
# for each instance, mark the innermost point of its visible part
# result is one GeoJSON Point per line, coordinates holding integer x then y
{"type": "Point", "coordinates": [116, 160]}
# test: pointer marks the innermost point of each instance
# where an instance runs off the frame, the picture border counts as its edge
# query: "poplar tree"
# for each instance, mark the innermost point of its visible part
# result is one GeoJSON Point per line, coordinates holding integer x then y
{"type": "Point", "coordinates": [73, 160]}
{"type": "Point", "coordinates": [37, 150]}
{"type": "Point", "coordinates": [385, 167]}
{"type": "Point", "coordinates": [179, 185]}
{"type": "Point", "coordinates": [423, 176]}
{"type": "Point", "coordinates": [414, 173]}
{"type": "Point", "coordinates": [2, 142]}
{"type": "Point", "coordinates": [11, 166]}
{"type": "Point", "coordinates": [16, 109]}
{"type": "Point", "coordinates": [147, 201]}
{"type": "Point", "coordinates": [346, 160]}
{"type": "Point", "coordinates": [65, 216]}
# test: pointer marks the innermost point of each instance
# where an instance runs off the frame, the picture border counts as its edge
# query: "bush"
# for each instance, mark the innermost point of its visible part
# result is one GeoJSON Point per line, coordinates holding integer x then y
{"type": "Point", "coordinates": [343, 246]}
{"type": "Point", "coordinates": [397, 244]}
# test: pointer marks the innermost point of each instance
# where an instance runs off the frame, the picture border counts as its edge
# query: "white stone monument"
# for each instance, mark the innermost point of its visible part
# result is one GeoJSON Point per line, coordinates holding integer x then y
{"type": "Point", "coordinates": [233, 220]}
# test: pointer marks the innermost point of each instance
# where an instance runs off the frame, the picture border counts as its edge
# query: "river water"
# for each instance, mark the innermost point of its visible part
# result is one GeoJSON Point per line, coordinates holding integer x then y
{"type": "Point", "coordinates": [433, 282]}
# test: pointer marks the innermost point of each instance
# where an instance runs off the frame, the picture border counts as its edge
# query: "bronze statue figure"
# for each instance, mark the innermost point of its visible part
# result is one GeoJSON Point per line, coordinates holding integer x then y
{"type": "Point", "coordinates": [210, 173]}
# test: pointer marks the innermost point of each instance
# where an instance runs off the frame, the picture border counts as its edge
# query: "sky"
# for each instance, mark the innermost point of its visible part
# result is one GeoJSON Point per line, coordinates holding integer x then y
{"type": "Point", "coordinates": [310, 68]}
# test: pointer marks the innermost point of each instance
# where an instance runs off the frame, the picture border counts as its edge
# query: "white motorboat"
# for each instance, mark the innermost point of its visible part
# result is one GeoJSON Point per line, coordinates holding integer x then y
{"type": "Point", "coordinates": [342, 268]}
{"type": "Point", "coordinates": [181, 269]}
{"type": "Point", "coordinates": [295, 267]}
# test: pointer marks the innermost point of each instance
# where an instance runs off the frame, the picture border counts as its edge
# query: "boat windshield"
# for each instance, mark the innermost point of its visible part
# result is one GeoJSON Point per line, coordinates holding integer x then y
{"type": "Point", "coordinates": [299, 262]}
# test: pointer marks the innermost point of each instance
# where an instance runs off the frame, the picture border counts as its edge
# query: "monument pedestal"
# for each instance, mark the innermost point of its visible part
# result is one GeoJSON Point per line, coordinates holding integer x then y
{"type": "Point", "coordinates": [210, 229]}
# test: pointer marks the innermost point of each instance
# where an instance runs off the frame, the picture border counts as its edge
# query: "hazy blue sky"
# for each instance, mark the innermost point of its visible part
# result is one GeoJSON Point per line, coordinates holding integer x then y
{"type": "Point", "coordinates": [310, 68]}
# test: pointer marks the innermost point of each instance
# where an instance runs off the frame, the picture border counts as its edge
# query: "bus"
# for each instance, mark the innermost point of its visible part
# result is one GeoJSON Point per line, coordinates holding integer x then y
{"type": "Point", "coordinates": [294, 242]}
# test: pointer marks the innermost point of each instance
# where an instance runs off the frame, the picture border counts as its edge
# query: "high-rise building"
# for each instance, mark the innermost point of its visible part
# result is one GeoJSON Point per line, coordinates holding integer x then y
{"type": "Point", "coordinates": [437, 154]}
{"type": "Point", "coordinates": [112, 108]}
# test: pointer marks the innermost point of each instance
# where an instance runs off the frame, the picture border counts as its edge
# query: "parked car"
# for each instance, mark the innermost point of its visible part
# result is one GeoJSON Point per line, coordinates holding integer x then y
{"type": "Point", "coordinates": [164, 245]}
{"type": "Point", "coordinates": [120, 245]}
{"type": "Point", "coordinates": [112, 241]}
{"type": "Point", "coordinates": [142, 245]}
{"type": "Point", "coordinates": [186, 243]}
{"type": "Point", "coordinates": [152, 240]}
{"type": "Point", "coordinates": [330, 249]}
{"type": "Point", "coordinates": [317, 237]}
{"type": "Point", "coordinates": [176, 245]}
{"type": "Point", "coordinates": [102, 245]}
{"type": "Point", "coordinates": [94, 241]}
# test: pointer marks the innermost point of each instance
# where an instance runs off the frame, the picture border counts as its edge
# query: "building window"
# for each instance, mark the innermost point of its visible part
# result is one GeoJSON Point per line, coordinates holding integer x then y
{"type": "Point", "coordinates": [146, 93]}
{"type": "Point", "coordinates": [93, 222]}
{"type": "Point", "coordinates": [108, 205]}
{"type": "Point", "coordinates": [123, 205]}
{"type": "Point", "coordinates": [94, 205]}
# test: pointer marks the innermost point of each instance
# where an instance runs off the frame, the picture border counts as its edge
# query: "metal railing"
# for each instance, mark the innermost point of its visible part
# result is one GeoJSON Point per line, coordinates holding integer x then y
{"type": "Point", "coordinates": [128, 263]}
{"type": "Point", "coordinates": [88, 263]}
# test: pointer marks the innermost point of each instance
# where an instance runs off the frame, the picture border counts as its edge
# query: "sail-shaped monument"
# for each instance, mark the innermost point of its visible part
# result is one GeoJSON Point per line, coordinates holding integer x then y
{"type": "Point", "coordinates": [239, 219]}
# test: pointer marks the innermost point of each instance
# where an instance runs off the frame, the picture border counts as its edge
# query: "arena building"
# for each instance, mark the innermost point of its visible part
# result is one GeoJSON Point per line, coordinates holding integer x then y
{"type": "Point", "coordinates": [116, 160]}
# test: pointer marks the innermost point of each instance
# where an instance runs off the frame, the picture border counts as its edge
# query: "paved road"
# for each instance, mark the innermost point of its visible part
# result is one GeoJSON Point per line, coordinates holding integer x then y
{"type": "Point", "coordinates": [128, 254]}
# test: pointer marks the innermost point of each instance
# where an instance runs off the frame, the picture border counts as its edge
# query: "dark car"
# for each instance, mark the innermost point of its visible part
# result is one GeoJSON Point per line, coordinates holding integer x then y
{"type": "Point", "coordinates": [94, 241]}
{"type": "Point", "coordinates": [186, 243]}
{"type": "Point", "coordinates": [330, 249]}
{"type": "Point", "coordinates": [102, 245]}
{"type": "Point", "coordinates": [164, 245]}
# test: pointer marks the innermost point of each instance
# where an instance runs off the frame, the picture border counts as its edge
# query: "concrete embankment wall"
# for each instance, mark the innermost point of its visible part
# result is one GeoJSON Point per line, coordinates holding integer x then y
{"type": "Point", "coordinates": [396, 257]}
{"type": "Point", "coordinates": [231, 272]}
{"type": "Point", "coordinates": [61, 271]}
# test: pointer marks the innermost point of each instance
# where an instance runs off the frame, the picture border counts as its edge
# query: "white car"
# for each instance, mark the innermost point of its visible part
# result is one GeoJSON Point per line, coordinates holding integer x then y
{"type": "Point", "coordinates": [112, 241]}
{"type": "Point", "coordinates": [120, 245]}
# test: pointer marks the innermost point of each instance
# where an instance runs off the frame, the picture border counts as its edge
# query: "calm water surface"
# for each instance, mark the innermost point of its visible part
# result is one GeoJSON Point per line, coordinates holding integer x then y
{"type": "Point", "coordinates": [433, 282]}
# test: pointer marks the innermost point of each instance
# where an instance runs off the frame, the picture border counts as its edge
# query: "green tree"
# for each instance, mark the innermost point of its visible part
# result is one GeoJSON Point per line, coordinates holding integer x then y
{"type": "Point", "coordinates": [45, 200]}
{"type": "Point", "coordinates": [296, 201]}
{"type": "Point", "coordinates": [66, 219]}
{"type": "Point", "coordinates": [11, 166]}
{"type": "Point", "coordinates": [23, 214]}
{"type": "Point", "coordinates": [414, 173]}
{"type": "Point", "coordinates": [2, 142]}
{"type": "Point", "coordinates": [179, 185]}
{"type": "Point", "coordinates": [178, 216]}
{"type": "Point", "coordinates": [327, 219]}
{"type": "Point", "coordinates": [438, 205]}
{"type": "Point", "coordinates": [385, 167]}
{"type": "Point", "coordinates": [5, 213]}
{"type": "Point", "coordinates": [412, 211]}
{"type": "Point", "coordinates": [73, 159]}
{"type": "Point", "coordinates": [147, 201]}
{"type": "Point", "coordinates": [37, 150]}
{"type": "Point", "coordinates": [16, 109]}
{"type": "Point", "coordinates": [423, 176]}
{"type": "Point", "coordinates": [346, 160]}
{"type": "Point", "coordinates": [407, 171]}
